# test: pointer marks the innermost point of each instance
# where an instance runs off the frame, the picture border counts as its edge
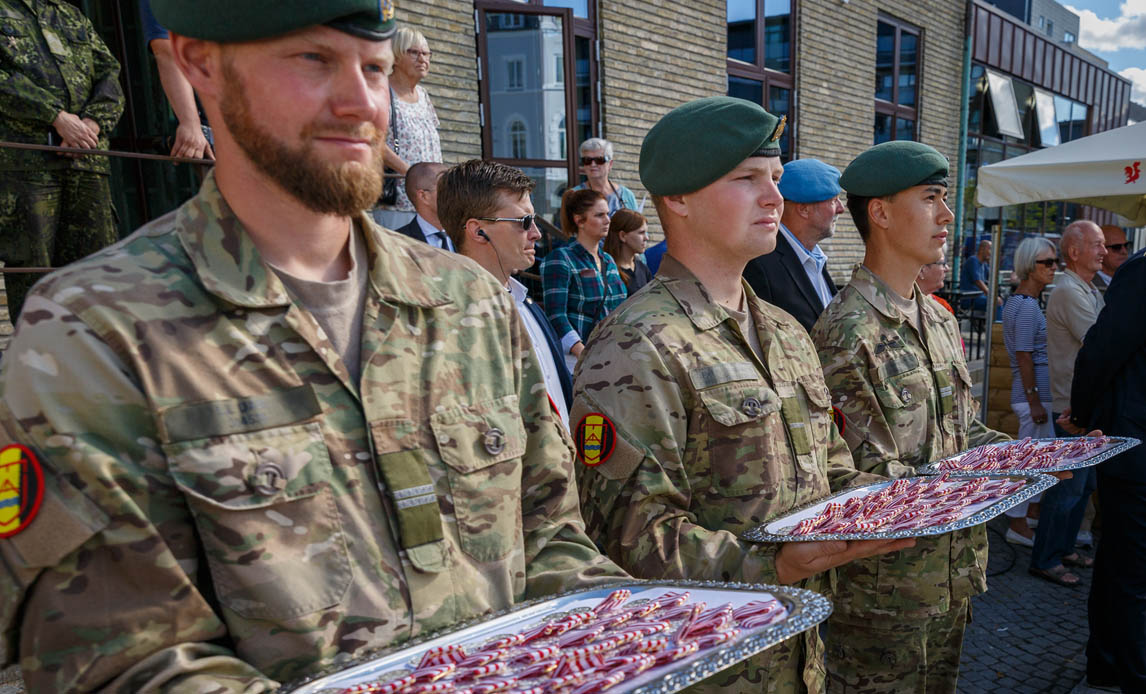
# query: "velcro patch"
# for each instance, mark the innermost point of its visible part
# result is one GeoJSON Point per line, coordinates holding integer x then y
{"type": "Point", "coordinates": [21, 488]}
{"type": "Point", "coordinates": [595, 438]}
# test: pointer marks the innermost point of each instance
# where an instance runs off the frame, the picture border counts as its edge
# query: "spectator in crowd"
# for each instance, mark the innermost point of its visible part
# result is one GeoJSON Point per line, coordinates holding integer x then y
{"type": "Point", "coordinates": [977, 277]}
{"type": "Point", "coordinates": [596, 163]}
{"type": "Point", "coordinates": [1025, 335]}
{"type": "Point", "coordinates": [413, 135]}
{"type": "Point", "coordinates": [580, 281]}
{"type": "Point", "coordinates": [486, 209]}
{"type": "Point", "coordinates": [628, 234]}
{"type": "Point", "coordinates": [234, 497]}
{"type": "Point", "coordinates": [191, 141]}
{"type": "Point", "coordinates": [422, 190]}
{"type": "Point", "coordinates": [795, 275]}
{"type": "Point", "coordinates": [1109, 393]}
{"type": "Point", "coordinates": [59, 84]}
{"type": "Point", "coordinates": [1117, 251]}
{"type": "Point", "coordinates": [654, 254]}
{"type": "Point", "coordinates": [930, 280]}
{"type": "Point", "coordinates": [1072, 308]}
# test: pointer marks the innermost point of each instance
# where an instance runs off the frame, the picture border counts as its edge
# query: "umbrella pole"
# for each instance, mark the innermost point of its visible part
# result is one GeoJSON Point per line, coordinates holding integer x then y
{"type": "Point", "coordinates": [989, 316]}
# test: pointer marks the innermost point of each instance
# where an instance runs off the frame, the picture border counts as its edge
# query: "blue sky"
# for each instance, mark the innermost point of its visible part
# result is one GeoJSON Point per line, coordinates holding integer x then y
{"type": "Point", "coordinates": [1116, 30]}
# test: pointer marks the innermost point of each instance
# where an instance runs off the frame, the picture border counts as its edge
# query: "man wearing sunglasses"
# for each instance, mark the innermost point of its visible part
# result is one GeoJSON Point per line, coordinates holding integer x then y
{"type": "Point", "coordinates": [485, 208]}
{"type": "Point", "coordinates": [596, 163]}
{"type": "Point", "coordinates": [1117, 251]}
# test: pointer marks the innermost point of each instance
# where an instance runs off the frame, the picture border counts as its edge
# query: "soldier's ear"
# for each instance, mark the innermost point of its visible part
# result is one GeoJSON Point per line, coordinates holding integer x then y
{"type": "Point", "coordinates": [878, 212]}
{"type": "Point", "coordinates": [201, 62]}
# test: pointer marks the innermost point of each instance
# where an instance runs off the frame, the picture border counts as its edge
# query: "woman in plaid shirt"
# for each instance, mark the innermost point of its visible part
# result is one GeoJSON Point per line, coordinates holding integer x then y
{"type": "Point", "coordinates": [580, 280]}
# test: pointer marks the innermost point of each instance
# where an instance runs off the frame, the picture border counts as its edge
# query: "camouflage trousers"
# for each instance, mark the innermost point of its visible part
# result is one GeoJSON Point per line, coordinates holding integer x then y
{"type": "Point", "coordinates": [49, 219]}
{"type": "Point", "coordinates": [794, 666]}
{"type": "Point", "coordinates": [878, 654]}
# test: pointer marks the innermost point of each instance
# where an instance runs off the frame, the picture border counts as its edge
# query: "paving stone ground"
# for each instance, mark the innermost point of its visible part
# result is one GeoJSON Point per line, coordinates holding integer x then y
{"type": "Point", "coordinates": [1027, 636]}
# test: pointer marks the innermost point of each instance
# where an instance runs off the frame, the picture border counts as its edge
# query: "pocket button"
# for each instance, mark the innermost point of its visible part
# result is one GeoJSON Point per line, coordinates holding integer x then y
{"type": "Point", "coordinates": [494, 441]}
{"type": "Point", "coordinates": [750, 407]}
{"type": "Point", "coordinates": [269, 479]}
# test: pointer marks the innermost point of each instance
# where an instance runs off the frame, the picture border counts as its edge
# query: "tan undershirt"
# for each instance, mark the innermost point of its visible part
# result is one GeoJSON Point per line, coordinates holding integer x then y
{"type": "Point", "coordinates": [743, 318]}
{"type": "Point", "coordinates": [910, 308]}
{"type": "Point", "coordinates": [338, 305]}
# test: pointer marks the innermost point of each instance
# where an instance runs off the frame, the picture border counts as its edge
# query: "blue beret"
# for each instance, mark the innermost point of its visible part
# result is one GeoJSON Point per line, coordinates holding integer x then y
{"type": "Point", "coordinates": [696, 143]}
{"type": "Point", "coordinates": [248, 20]}
{"type": "Point", "coordinates": [890, 167]}
{"type": "Point", "coordinates": [809, 180]}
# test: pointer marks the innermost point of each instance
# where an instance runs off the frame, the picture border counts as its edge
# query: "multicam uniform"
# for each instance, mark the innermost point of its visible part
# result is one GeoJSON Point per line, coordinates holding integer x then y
{"type": "Point", "coordinates": [225, 508]}
{"type": "Point", "coordinates": [710, 441]}
{"type": "Point", "coordinates": [906, 401]}
{"type": "Point", "coordinates": [53, 210]}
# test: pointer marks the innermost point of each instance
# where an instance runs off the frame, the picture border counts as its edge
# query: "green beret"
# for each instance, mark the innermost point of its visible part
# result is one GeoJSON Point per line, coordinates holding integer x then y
{"type": "Point", "coordinates": [248, 20]}
{"type": "Point", "coordinates": [890, 167]}
{"type": "Point", "coordinates": [698, 142]}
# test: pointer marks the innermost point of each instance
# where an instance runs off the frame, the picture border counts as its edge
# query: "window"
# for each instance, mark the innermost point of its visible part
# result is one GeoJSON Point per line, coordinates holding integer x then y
{"type": "Point", "coordinates": [896, 85]}
{"type": "Point", "coordinates": [561, 143]}
{"type": "Point", "coordinates": [1042, 21]}
{"type": "Point", "coordinates": [517, 139]}
{"type": "Point", "coordinates": [559, 69]}
{"type": "Point", "coordinates": [514, 74]}
{"type": "Point", "coordinates": [1068, 37]}
{"type": "Point", "coordinates": [760, 57]}
{"type": "Point", "coordinates": [1006, 107]}
{"type": "Point", "coordinates": [1050, 28]}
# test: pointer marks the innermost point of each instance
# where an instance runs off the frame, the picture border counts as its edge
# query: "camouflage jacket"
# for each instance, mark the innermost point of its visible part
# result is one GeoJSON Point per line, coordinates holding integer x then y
{"type": "Point", "coordinates": [224, 509]}
{"type": "Point", "coordinates": [709, 441]}
{"type": "Point", "coordinates": [52, 60]}
{"type": "Point", "coordinates": [906, 401]}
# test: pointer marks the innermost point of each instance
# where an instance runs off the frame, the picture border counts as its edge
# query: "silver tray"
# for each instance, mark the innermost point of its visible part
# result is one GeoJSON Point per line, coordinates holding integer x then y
{"type": "Point", "coordinates": [805, 610]}
{"type": "Point", "coordinates": [1123, 443]}
{"type": "Point", "coordinates": [776, 529]}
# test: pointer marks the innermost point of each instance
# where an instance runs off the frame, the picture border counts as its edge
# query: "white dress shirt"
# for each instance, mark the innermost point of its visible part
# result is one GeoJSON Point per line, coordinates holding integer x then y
{"type": "Point", "coordinates": [813, 264]}
{"type": "Point", "coordinates": [541, 349]}
{"type": "Point", "coordinates": [435, 237]}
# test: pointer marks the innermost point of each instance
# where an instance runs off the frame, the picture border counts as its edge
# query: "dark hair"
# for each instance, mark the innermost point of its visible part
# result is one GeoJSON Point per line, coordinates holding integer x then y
{"type": "Point", "coordinates": [421, 176]}
{"type": "Point", "coordinates": [624, 220]}
{"type": "Point", "coordinates": [857, 206]}
{"type": "Point", "coordinates": [573, 203]}
{"type": "Point", "coordinates": [470, 190]}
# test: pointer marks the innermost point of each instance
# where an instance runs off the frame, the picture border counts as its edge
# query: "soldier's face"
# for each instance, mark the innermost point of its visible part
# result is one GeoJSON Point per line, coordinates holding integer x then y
{"type": "Point", "coordinates": [310, 111]}
{"type": "Point", "coordinates": [741, 210]}
{"type": "Point", "coordinates": [917, 221]}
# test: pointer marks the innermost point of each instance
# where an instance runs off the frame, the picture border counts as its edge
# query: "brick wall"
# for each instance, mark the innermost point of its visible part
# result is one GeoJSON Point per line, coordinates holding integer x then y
{"type": "Point", "coordinates": [453, 79]}
{"type": "Point", "coordinates": [655, 56]}
{"type": "Point", "coordinates": [835, 86]}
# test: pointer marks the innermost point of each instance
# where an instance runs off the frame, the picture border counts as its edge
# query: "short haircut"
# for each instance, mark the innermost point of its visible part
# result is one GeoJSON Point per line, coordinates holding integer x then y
{"type": "Point", "coordinates": [573, 203]}
{"type": "Point", "coordinates": [857, 206]}
{"type": "Point", "coordinates": [405, 39]}
{"type": "Point", "coordinates": [1072, 236]}
{"type": "Point", "coordinates": [421, 176]}
{"type": "Point", "coordinates": [594, 144]}
{"type": "Point", "coordinates": [623, 220]}
{"type": "Point", "coordinates": [1027, 252]}
{"type": "Point", "coordinates": [472, 189]}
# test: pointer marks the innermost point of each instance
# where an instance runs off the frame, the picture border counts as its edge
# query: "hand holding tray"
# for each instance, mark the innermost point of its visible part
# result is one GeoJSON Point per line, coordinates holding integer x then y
{"type": "Point", "coordinates": [1034, 455]}
{"type": "Point", "coordinates": [908, 507]}
{"type": "Point", "coordinates": [653, 637]}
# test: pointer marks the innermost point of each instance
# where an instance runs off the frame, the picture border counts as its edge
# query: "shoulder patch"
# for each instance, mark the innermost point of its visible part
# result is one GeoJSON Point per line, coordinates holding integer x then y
{"type": "Point", "coordinates": [21, 488]}
{"type": "Point", "coordinates": [595, 437]}
{"type": "Point", "coordinates": [838, 417]}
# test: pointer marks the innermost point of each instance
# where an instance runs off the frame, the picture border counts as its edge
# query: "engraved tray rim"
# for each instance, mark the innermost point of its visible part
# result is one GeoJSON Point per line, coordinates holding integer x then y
{"type": "Point", "coordinates": [1037, 483]}
{"type": "Point", "coordinates": [806, 609]}
{"type": "Point", "coordinates": [1124, 444]}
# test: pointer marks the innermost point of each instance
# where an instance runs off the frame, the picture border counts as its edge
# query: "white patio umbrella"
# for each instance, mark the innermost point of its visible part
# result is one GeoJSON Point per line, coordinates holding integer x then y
{"type": "Point", "coordinates": [1106, 170]}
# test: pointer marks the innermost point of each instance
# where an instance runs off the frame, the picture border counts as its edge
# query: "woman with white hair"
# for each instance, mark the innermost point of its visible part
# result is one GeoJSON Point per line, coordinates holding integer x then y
{"type": "Point", "coordinates": [596, 163]}
{"type": "Point", "coordinates": [413, 136]}
{"type": "Point", "coordinates": [1025, 334]}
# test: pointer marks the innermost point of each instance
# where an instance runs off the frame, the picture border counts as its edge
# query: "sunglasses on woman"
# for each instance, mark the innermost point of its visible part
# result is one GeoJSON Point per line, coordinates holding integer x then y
{"type": "Point", "coordinates": [526, 222]}
{"type": "Point", "coordinates": [599, 161]}
{"type": "Point", "coordinates": [1048, 262]}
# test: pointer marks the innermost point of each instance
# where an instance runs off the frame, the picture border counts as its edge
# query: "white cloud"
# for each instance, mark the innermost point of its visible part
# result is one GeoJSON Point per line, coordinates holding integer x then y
{"type": "Point", "coordinates": [1128, 30]}
{"type": "Point", "coordinates": [1137, 77]}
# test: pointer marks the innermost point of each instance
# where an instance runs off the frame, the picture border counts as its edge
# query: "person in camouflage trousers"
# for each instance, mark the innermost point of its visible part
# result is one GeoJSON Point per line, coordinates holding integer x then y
{"type": "Point", "coordinates": [58, 85]}
{"type": "Point", "coordinates": [893, 361]}
{"type": "Point", "coordinates": [701, 409]}
{"type": "Point", "coordinates": [239, 488]}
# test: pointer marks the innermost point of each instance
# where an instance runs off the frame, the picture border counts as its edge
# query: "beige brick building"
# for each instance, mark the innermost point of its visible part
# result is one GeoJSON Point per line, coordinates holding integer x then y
{"type": "Point", "coordinates": [647, 57]}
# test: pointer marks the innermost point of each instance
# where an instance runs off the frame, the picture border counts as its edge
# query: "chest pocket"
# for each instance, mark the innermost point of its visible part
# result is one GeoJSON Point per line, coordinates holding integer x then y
{"type": "Point", "coordinates": [482, 446]}
{"type": "Point", "coordinates": [264, 506]}
{"type": "Point", "coordinates": [739, 438]}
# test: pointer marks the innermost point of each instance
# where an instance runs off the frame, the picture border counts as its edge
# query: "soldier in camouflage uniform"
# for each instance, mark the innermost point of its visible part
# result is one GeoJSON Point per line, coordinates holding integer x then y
{"type": "Point", "coordinates": [58, 85]}
{"type": "Point", "coordinates": [702, 411]}
{"type": "Point", "coordinates": [893, 361]}
{"type": "Point", "coordinates": [239, 490]}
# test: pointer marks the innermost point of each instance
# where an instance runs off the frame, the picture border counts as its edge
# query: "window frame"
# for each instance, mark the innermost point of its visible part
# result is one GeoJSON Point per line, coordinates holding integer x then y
{"type": "Point", "coordinates": [769, 77]}
{"type": "Point", "coordinates": [893, 108]}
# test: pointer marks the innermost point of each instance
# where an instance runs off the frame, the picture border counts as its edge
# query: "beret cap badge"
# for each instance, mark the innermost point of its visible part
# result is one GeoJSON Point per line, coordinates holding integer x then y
{"type": "Point", "coordinates": [779, 129]}
{"type": "Point", "coordinates": [385, 10]}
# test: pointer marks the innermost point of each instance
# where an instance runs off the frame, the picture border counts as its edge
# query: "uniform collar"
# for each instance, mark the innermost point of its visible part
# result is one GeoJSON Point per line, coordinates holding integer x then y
{"type": "Point", "coordinates": [692, 296]}
{"type": "Point", "coordinates": [230, 266]}
{"type": "Point", "coordinates": [876, 292]}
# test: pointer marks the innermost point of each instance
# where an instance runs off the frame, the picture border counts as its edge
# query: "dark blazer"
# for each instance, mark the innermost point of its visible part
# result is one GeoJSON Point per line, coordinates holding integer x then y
{"type": "Point", "coordinates": [1109, 388]}
{"type": "Point", "coordinates": [413, 230]}
{"type": "Point", "coordinates": [779, 279]}
{"type": "Point", "coordinates": [555, 350]}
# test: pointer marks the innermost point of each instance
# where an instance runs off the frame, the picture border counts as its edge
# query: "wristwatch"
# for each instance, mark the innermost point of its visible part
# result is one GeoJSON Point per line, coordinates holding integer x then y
{"type": "Point", "coordinates": [1032, 389]}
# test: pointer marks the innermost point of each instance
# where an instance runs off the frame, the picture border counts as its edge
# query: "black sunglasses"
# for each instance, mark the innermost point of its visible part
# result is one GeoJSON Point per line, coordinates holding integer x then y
{"type": "Point", "coordinates": [526, 222]}
{"type": "Point", "coordinates": [599, 161]}
{"type": "Point", "coordinates": [1117, 246]}
{"type": "Point", "coordinates": [1048, 262]}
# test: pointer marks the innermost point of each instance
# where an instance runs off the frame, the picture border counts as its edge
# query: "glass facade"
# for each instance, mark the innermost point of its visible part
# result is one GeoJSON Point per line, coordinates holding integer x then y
{"type": "Point", "coordinates": [760, 58]}
{"type": "Point", "coordinates": [896, 93]}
